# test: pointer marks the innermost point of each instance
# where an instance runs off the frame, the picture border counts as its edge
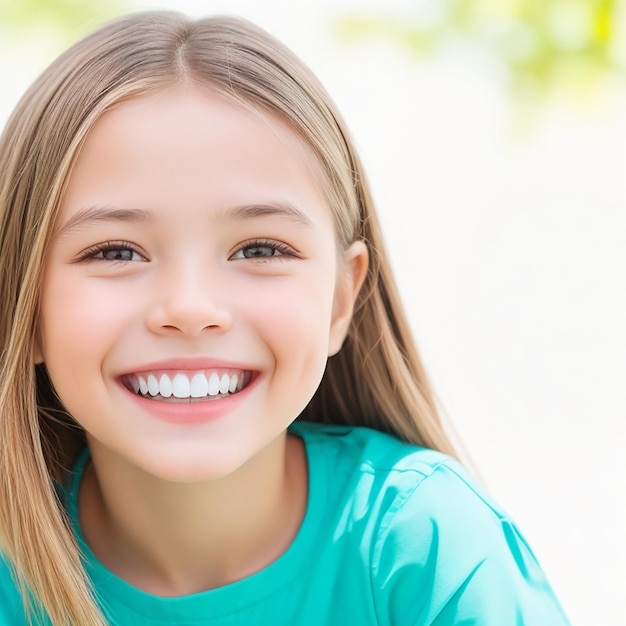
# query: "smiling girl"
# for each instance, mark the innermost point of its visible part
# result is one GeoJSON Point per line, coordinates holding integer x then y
{"type": "Point", "coordinates": [211, 407]}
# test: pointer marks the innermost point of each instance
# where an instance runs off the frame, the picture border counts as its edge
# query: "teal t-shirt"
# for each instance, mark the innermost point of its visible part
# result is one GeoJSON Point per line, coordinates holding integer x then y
{"type": "Point", "coordinates": [393, 535]}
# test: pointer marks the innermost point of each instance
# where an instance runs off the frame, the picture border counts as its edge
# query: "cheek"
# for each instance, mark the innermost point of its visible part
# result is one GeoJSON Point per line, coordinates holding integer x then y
{"type": "Point", "coordinates": [78, 325]}
{"type": "Point", "coordinates": [295, 326]}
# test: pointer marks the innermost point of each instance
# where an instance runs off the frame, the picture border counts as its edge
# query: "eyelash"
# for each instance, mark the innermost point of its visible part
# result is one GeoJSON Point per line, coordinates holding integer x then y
{"type": "Point", "coordinates": [285, 251]}
{"type": "Point", "coordinates": [91, 254]}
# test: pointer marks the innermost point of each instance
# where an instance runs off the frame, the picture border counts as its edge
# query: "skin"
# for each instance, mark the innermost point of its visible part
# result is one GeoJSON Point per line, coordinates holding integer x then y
{"type": "Point", "coordinates": [172, 506]}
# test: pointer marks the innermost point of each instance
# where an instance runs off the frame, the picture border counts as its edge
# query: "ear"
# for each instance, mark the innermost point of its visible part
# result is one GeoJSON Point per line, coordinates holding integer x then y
{"type": "Point", "coordinates": [351, 274]}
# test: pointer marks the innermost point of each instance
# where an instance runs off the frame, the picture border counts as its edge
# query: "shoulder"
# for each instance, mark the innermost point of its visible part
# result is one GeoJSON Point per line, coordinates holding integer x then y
{"type": "Point", "coordinates": [374, 448]}
{"type": "Point", "coordinates": [399, 487]}
{"type": "Point", "coordinates": [11, 607]}
{"type": "Point", "coordinates": [438, 547]}
{"type": "Point", "coordinates": [380, 463]}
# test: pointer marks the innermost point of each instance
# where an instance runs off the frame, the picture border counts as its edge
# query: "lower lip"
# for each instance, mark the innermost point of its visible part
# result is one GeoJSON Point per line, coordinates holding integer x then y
{"type": "Point", "coordinates": [191, 412]}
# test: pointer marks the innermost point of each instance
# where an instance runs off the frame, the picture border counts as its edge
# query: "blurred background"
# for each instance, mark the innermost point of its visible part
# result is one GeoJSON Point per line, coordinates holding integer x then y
{"type": "Point", "coordinates": [494, 135]}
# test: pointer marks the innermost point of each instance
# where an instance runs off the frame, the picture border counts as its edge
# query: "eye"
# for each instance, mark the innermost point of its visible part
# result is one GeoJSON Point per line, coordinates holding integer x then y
{"type": "Point", "coordinates": [114, 251]}
{"type": "Point", "coordinates": [263, 249]}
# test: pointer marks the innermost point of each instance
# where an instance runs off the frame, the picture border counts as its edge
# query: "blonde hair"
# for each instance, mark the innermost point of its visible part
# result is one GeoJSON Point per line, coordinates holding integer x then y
{"type": "Point", "coordinates": [375, 380]}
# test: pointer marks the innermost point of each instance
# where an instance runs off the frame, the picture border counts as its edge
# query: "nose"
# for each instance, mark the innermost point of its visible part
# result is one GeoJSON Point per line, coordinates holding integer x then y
{"type": "Point", "coordinates": [188, 302]}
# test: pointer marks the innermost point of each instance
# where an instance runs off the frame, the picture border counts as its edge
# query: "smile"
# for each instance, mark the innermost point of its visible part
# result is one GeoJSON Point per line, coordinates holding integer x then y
{"type": "Point", "coordinates": [190, 386]}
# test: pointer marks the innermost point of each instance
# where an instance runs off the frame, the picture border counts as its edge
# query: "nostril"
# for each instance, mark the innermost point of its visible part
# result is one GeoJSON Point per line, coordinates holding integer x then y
{"type": "Point", "coordinates": [180, 315]}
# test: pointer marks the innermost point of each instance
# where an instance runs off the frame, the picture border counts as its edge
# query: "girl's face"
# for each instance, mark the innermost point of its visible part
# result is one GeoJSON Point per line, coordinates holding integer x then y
{"type": "Point", "coordinates": [193, 289]}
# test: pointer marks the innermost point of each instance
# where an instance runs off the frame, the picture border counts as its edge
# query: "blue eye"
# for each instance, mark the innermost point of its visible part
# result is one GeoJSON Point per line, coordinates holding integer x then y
{"type": "Point", "coordinates": [118, 254]}
{"type": "Point", "coordinates": [258, 252]}
{"type": "Point", "coordinates": [262, 250]}
{"type": "Point", "coordinates": [114, 251]}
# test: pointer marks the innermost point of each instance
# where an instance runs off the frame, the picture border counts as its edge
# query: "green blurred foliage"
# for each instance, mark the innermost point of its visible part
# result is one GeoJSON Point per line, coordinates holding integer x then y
{"type": "Point", "coordinates": [544, 46]}
{"type": "Point", "coordinates": [64, 20]}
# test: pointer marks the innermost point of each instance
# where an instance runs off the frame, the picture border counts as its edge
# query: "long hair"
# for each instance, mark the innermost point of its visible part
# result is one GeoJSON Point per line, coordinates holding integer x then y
{"type": "Point", "coordinates": [375, 380]}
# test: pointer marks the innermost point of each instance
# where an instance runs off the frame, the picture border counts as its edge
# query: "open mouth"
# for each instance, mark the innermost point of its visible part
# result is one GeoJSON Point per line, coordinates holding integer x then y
{"type": "Point", "coordinates": [195, 386]}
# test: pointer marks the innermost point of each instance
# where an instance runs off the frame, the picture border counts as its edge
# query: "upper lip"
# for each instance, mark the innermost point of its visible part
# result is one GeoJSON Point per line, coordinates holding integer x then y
{"type": "Point", "coordinates": [186, 364]}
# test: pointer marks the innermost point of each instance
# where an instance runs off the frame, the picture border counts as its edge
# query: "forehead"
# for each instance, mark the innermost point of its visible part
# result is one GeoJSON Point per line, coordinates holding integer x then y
{"type": "Point", "coordinates": [182, 138]}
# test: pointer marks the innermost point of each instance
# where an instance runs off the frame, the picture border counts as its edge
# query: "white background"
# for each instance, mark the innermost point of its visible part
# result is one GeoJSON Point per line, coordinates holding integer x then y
{"type": "Point", "coordinates": [509, 249]}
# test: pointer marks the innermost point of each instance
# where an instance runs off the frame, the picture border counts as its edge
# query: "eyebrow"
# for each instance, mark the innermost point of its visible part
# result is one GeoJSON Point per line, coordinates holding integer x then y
{"type": "Point", "coordinates": [280, 209]}
{"type": "Point", "coordinates": [96, 214]}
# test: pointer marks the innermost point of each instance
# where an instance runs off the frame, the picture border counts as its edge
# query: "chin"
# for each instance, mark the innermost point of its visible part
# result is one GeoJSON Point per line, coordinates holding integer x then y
{"type": "Point", "coordinates": [189, 470]}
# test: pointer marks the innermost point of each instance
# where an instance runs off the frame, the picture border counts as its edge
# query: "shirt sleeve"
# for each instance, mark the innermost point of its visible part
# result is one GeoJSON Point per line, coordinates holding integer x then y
{"type": "Point", "coordinates": [447, 556]}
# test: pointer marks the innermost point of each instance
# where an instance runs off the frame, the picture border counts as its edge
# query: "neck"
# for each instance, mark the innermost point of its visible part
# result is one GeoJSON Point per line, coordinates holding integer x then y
{"type": "Point", "coordinates": [173, 539]}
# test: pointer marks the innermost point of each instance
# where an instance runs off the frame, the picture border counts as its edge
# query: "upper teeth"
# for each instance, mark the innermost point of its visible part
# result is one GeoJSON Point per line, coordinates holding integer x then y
{"type": "Point", "coordinates": [188, 385]}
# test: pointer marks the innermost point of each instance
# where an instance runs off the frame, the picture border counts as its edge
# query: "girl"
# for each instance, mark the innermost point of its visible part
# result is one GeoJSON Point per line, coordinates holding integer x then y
{"type": "Point", "coordinates": [187, 237]}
